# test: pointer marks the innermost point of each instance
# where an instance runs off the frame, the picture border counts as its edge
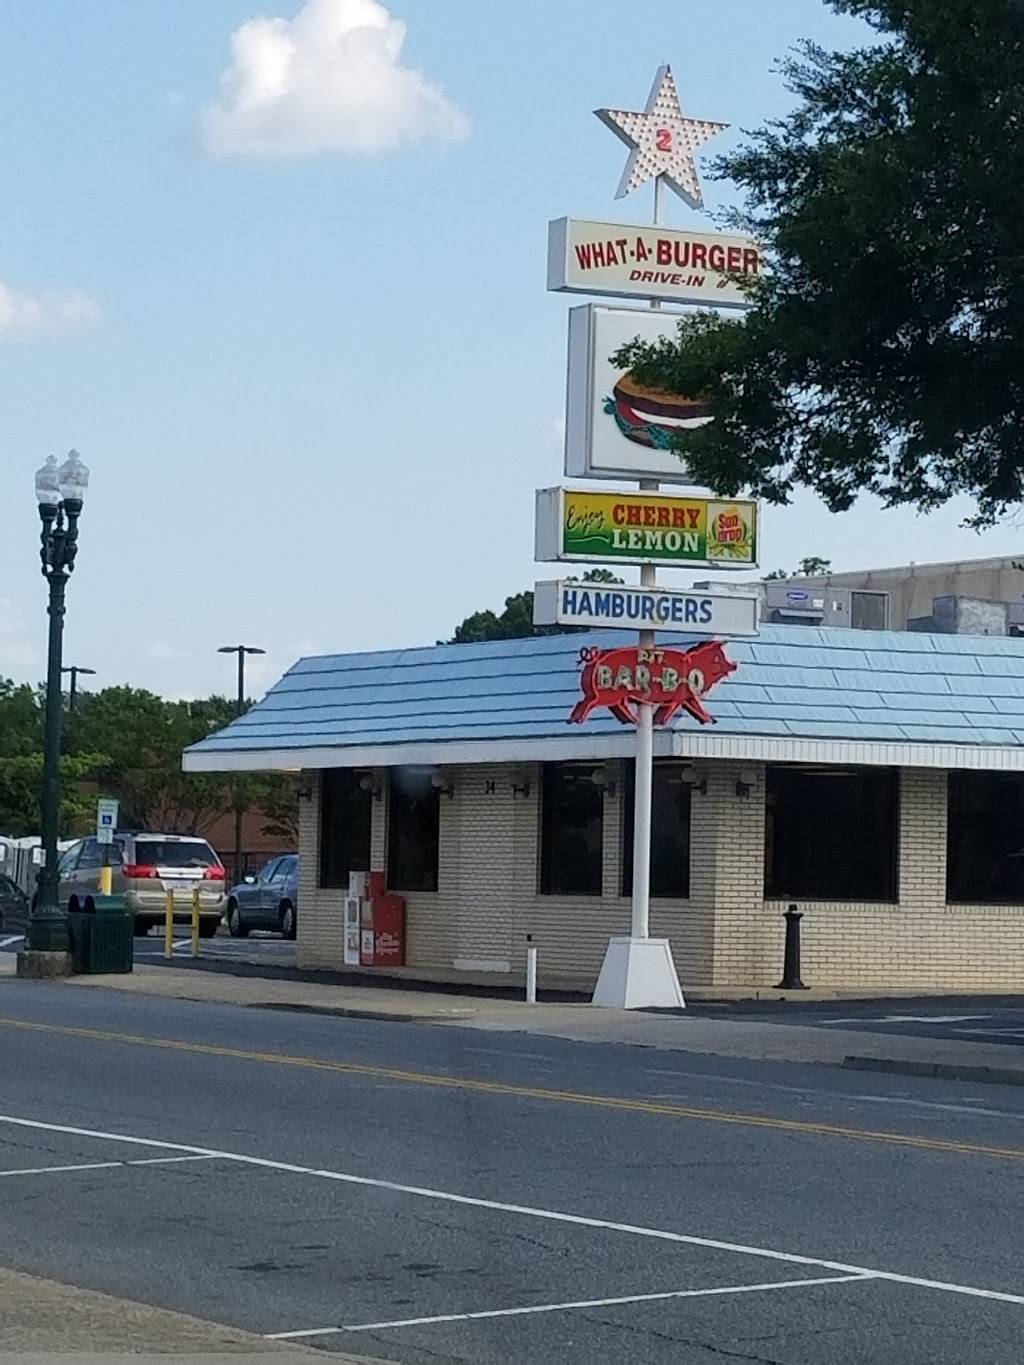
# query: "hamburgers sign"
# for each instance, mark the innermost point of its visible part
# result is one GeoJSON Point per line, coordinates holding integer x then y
{"type": "Point", "coordinates": [616, 427]}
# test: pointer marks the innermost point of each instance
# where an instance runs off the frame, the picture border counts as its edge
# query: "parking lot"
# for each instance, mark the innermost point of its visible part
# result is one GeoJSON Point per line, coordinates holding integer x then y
{"type": "Point", "coordinates": [981, 1019]}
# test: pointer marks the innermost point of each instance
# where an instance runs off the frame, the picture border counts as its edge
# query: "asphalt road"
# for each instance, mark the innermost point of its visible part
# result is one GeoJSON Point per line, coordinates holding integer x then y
{"type": "Point", "coordinates": [419, 1194]}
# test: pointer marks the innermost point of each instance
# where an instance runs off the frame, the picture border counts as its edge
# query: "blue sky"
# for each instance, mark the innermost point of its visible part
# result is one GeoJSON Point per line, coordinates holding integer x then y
{"type": "Point", "coordinates": [317, 385]}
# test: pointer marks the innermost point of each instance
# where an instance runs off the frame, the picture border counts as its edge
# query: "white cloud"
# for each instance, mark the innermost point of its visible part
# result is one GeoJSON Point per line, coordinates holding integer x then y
{"type": "Point", "coordinates": [329, 80]}
{"type": "Point", "coordinates": [48, 313]}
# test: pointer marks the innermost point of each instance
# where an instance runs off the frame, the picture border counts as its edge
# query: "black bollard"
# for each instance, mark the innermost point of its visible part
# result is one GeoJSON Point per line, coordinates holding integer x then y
{"type": "Point", "coordinates": [791, 962]}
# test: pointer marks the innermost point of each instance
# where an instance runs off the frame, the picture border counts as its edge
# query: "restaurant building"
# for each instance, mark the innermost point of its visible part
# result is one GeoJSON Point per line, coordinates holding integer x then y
{"type": "Point", "coordinates": [875, 779]}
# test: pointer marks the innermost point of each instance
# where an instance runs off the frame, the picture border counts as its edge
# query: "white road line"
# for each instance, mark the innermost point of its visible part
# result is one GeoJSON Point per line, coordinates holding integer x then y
{"type": "Point", "coordinates": [102, 1165]}
{"type": "Point", "coordinates": [10, 939]}
{"type": "Point", "coordinates": [564, 1307]}
{"type": "Point", "coordinates": [168, 1160]}
{"type": "Point", "coordinates": [57, 1170]}
{"type": "Point", "coordinates": [909, 1019]}
{"type": "Point", "coordinates": [523, 1210]}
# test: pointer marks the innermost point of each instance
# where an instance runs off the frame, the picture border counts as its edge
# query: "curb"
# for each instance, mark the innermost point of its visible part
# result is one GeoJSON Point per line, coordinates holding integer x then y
{"type": "Point", "coordinates": [354, 1012]}
{"type": "Point", "coordinates": [948, 1071]}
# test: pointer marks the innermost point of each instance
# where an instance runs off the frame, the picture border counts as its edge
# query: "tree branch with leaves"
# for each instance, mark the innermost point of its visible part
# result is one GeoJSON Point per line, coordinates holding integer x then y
{"type": "Point", "coordinates": [884, 351]}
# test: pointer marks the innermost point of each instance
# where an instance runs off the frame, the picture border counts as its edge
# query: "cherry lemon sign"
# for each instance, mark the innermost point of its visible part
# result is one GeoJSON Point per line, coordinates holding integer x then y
{"type": "Point", "coordinates": [671, 680]}
{"type": "Point", "coordinates": [646, 528]}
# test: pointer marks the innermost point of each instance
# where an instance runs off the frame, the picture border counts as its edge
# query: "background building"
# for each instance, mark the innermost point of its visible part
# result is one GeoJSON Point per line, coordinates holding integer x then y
{"type": "Point", "coordinates": [965, 597]}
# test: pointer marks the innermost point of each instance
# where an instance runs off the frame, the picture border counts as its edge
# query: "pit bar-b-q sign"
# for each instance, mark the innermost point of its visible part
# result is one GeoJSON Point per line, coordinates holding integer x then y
{"type": "Point", "coordinates": [671, 680]}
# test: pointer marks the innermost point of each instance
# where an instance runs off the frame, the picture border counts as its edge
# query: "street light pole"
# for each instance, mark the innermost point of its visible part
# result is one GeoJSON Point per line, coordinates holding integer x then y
{"type": "Point", "coordinates": [241, 651]}
{"type": "Point", "coordinates": [76, 671]}
{"type": "Point", "coordinates": [60, 493]}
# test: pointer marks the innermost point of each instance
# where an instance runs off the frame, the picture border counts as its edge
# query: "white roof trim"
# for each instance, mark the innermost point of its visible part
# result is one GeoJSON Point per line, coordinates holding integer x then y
{"type": "Point", "coordinates": [869, 753]}
{"type": "Point", "coordinates": [667, 743]}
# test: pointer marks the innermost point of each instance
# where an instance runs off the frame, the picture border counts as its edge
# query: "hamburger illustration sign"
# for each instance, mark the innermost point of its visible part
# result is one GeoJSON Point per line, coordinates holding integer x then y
{"type": "Point", "coordinates": [616, 428]}
{"type": "Point", "coordinates": [646, 528]}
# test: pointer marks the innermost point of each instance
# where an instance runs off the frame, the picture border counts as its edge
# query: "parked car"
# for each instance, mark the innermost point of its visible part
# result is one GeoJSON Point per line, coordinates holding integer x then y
{"type": "Point", "coordinates": [268, 900]}
{"type": "Point", "coordinates": [145, 868]}
{"type": "Point", "coordinates": [13, 906]}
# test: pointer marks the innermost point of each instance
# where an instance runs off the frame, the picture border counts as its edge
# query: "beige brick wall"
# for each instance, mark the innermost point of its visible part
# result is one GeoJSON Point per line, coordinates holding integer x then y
{"type": "Point", "coordinates": [921, 941]}
{"type": "Point", "coordinates": [725, 934]}
{"type": "Point", "coordinates": [487, 900]}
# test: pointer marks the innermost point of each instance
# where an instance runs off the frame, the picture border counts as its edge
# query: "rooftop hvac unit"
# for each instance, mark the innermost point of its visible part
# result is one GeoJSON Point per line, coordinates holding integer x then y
{"type": "Point", "coordinates": [785, 604]}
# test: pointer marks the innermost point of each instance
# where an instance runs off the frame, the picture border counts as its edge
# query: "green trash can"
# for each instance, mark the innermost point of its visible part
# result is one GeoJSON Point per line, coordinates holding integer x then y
{"type": "Point", "coordinates": [80, 927]}
{"type": "Point", "coordinates": [102, 936]}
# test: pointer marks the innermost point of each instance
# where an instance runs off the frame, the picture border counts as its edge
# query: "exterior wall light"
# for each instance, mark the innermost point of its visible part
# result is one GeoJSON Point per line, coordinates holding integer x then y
{"type": "Point", "coordinates": [368, 783]}
{"type": "Point", "coordinates": [441, 784]}
{"type": "Point", "coordinates": [521, 789]}
{"type": "Point", "coordinates": [606, 784]}
{"type": "Point", "coordinates": [746, 782]}
{"type": "Point", "coordinates": [689, 777]}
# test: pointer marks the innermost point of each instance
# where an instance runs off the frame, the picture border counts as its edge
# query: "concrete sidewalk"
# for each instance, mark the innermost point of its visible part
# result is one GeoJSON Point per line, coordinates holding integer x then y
{"type": "Point", "coordinates": [748, 1039]}
{"type": "Point", "coordinates": [44, 1321]}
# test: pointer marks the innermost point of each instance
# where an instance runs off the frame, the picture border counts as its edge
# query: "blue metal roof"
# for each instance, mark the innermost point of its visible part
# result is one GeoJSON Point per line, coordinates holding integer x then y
{"type": "Point", "coordinates": [792, 681]}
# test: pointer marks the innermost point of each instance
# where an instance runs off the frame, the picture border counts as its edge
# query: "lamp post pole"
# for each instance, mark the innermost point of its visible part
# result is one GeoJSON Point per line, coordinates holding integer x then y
{"type": "Point", "coordinates": [241, 651]}
{"type": "Point", "coordinates": [76, 671]}
{"type": "Point", "coordinates": [60, 493]}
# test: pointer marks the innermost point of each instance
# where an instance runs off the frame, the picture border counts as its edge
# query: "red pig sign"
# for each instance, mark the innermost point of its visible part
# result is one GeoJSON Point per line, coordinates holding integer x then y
{"type": "Point", "coordinates": [668, 679]}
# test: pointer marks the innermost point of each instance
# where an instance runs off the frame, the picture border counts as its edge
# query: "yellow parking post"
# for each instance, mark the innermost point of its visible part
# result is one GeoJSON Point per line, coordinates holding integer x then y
{"type": "Point", "coordinates": [106, 879]}
{"type": "Point", "coordinates": [169, 925]}
{"type": "Point", "coordinates": [195, 921]}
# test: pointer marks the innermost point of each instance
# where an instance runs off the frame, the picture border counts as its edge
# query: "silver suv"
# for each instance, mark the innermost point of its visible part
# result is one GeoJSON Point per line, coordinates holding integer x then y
{"type": "Point", "coordinates": [145, 867]}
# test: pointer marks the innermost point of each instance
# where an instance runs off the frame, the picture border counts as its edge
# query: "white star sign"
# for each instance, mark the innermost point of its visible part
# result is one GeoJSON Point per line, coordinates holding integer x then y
{"type": "Point", "coordinates": [663, 141]}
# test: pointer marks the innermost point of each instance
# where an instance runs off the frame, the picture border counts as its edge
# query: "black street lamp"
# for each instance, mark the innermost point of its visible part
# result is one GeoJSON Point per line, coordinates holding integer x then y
{"type": "Point", "coordinates": [60, 493]}
{"type": "Point", "coordinates": [76, 671]}
{"type": "Point", "coordinates": [241, 651]}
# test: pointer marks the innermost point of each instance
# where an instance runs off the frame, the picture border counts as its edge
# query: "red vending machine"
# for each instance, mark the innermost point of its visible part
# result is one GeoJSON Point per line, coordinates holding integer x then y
{"type": "Point", "coordinates": [382, 933]}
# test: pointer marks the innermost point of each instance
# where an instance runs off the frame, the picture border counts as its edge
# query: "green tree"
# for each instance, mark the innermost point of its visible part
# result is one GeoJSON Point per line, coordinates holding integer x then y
{"type": "Point", "coordinates": [885, 348]}
{"type": "Point", "coordinates": [516, 621]}
{"type": "Point", "coordinates": [127, 743]}
{"type": "Point", "coordinates": [21, 780]}
{"type": "Point", "coordinates": [141, 737]}
{"type": "Point", "coordinates": [813, 566]}
{"type": "Point", "coordinates": [21, 726]}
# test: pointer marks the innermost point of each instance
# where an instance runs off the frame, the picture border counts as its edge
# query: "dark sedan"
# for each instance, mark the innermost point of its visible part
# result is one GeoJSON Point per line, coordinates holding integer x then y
{"type": "Point", "coordinates": [268, 900]}
{"type": "Point", "coordinates": [13, 906]}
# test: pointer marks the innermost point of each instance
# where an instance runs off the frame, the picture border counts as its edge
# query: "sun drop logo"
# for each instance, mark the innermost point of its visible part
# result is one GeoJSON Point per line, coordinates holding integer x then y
{"type": "Point", "coordinates": [729, 534]}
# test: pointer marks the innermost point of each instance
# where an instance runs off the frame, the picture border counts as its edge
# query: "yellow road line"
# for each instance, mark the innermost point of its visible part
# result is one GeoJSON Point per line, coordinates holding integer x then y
{"type": "Point", "coordinates": [476, 1085]}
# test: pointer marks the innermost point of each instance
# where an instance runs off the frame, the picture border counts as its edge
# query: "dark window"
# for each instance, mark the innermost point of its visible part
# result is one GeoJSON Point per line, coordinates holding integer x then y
{"type": "Point", "coordinates": [869, 610]}
{"type": "Point", "coordinates": [985, 838]}
{"type": "Point", "coordinates": [345, 816]}
{"type": "Point", "coordinates": [89, 856]}
{"type": "Point", "coordinates": [572, 827]}
{"type": "Point", "coordinates": [670, 832]}
{"type": "Point", "coordinates": [414, 818]}
{"type": "Point", "coordinates": [831, 833]}
{"type": "Point", "coordinates": [173, 853]}
{"type": "Point", "coordinates": [68, 859]}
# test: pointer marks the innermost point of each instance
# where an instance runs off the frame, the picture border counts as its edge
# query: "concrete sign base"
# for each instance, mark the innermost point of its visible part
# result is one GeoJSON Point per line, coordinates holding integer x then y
{"type": "Point", "coordinates": [638, 973]}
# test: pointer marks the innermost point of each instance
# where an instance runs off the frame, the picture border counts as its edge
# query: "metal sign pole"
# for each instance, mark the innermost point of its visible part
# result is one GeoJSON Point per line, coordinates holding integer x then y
{"type": "Point", "coordinates": [643, 779]}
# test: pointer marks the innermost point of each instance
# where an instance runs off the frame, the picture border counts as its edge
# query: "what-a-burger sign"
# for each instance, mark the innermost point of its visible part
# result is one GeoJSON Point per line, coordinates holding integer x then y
{"type": "Point", "coordinates": [715, 269]}
{"type": "Point", "coordinates": [670, 680]}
